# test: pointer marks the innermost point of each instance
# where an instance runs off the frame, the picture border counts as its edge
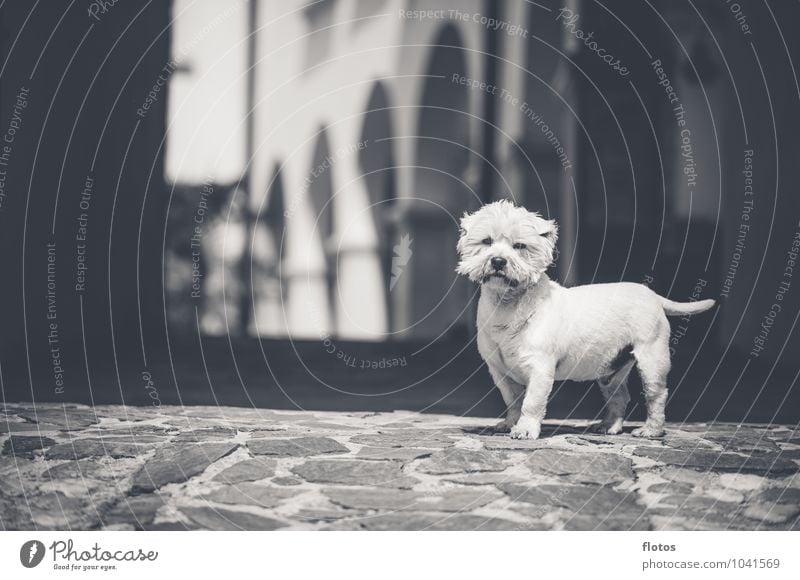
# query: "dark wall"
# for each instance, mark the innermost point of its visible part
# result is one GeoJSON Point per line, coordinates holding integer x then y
{"type": "Point", "coordinates": [83, 79]}
{"type": "Point", "coordinates": [641, 220]}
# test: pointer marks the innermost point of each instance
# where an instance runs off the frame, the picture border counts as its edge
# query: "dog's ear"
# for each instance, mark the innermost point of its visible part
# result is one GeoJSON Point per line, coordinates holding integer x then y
{"type": "Point", "coordinates": [463, 230]}
{"type": "Point", "coordinates": [551, 232]}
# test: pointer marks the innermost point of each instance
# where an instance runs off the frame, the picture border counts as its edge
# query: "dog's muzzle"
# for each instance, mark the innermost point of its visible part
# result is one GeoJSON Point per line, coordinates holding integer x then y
{"type": "Point", "coordinates": [497, 274]}
{"type": "Point", "coordinates": [498, 263]}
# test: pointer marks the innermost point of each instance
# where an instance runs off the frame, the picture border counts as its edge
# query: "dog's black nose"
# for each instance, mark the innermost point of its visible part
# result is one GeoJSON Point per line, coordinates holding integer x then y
{"type": "Point", "coordinates": [499, 263]}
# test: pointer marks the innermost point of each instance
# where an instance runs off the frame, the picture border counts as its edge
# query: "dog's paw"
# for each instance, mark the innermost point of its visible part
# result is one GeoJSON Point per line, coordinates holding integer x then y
{"type": "Point", "coordinates": [526, 429]}
{"type": "Point", "coordinates": [604, 429]}
{"type": "Point", "coordinates": [502, 427]}
{"type": "Point", "coordinates": [607, 428]}
{"type": "Point", "coordinates": [648, 431]}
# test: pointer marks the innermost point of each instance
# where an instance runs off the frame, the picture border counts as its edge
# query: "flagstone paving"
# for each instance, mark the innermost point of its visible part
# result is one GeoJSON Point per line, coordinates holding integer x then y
{"type": "Point", "coordinates": [172, 468]}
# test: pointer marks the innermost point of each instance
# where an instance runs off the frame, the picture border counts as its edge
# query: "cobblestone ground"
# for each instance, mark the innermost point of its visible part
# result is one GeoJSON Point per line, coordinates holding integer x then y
{"type": "Point", "coordinates": [231, 468]}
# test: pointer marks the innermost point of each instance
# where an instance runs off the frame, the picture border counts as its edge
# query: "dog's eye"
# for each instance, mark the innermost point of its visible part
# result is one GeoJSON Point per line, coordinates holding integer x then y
{"type": "Point", "coordinates": [486, 241]}
{"type": "Point", "coordinates": [519, 246]}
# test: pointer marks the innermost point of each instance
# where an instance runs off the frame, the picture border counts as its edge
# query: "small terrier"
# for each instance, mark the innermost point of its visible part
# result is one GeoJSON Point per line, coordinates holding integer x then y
{"type": "Point", "coordinates": [532, 331]}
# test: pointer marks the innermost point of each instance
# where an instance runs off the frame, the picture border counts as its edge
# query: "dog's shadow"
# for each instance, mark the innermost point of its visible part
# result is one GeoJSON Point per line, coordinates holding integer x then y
{"type": "Point", "coordinates": [548, 430]}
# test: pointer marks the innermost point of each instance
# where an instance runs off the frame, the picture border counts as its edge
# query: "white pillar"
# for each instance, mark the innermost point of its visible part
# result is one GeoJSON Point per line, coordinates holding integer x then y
{"type": "Point", "coordinates": [360, 296]}
{"type": "Point", "coordinates": [308, 309]}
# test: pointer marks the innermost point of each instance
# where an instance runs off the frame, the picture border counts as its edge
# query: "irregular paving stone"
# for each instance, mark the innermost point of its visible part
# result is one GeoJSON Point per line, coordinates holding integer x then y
{"type": "Point", "coordinates": [430, 438]}
{"type": "Point", "coordinates": [600, 524]}
{"type": "Point", "coordinates": [772, 513]}
{"type": "Point", "coordinates": [132, 439]}
{"type": "Point", "coordinates": [77, 470]}
{"type": "Point", "coordinates": [600, 439]}
{"type": "Point", "coordinates": [699, 502]}
{"type": "Point", "coordinates": [128, 429]}
{"type": "Point", "coordinates": [457, 460]}
{"type": "Point", "coordinates": [8, 462]}
{"type": "Point", "coordinates": [9, 427]}
{"type": "Point", "coordinates": [586, 441]}
{"type": "Point", "coordinates": [707, 497]}
{"type": "Point", "coordinates": [139, 510]}
{"type": "Point", "coordinates": [336, 427]}
{"type": "Point", "coordinates": [83, 448]}
{"type": "Point", "coordinates": [537, 513]}
{"type": "Point", "coordinates": [300, 447]}
{"type": "Point", "coordinates": [452, 500]}
{"type": "Point", "coordinates": [585, 499]}
{"type": "Point", "coordinates": [789, 495]}
{"type": "Point", "coordinates": [600, 468]}
{"type": "Point", "coordinates": [320, 515]}
{"type": "Point", "coordinates": [790, 453]}
{"type": "Point", "coordinates": [250, 494]}
{"type": "Point", "coordinates": [692, 519]}
{"type": "Point", "coordinates": [688, 442]}
{"type": "Point", "coordinates": [22, 446]}
{"type": "Point", "coordinates": [505, 442]}
{"type": "Point", "coordinates": [527, 493]}
{"type": "Point", "coordinates": [354, 472]}
{"type": "Point", "coordinates": [57, 511]}
{"type": "Point", "coordinates": [690, 476]}
{"type": "Point", "coordinates": [285, 433]}
{"type": "Point", "coordinates": [248, 470]}
{"type": "Point", "coordinates": [15, 515]}
{"type": "Point", "coordinates": [430, 522]}
{"type": "Point", "coordinates": [203, 435]}
{"type": "Point", "coordinates": [177, 464]}
{"type": "Point", "coordinates": [392, 453]}
{"type": "Point", "coordinates": [228, 520]}
{"type": "Point", "coordinates": [13, 483]}
{"type": "Point", "coordinates": [704, 460]}
{"type": "Point", "coordinates": [171, 527]}
{"type": "Point", "coordinates": [64, 419]}
{"type": "Point", "coordinates": [671, 487]}
{"type": "Point", "coordinates": [486, 478]}
{"type": "Point", "coordinates": [704, 428]}
{"type": "Point", "coordinates": [744, 440]}
{"type": "Point", "coordinates": [398, 425]}
{"type": "Point", "coordinates": [741, 481]}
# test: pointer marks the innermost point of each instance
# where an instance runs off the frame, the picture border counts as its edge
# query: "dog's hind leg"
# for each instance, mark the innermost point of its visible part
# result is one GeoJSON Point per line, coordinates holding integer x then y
{"type": "Point", "coordinates": [615, 392]}
{"type": "Point", "coordinates": [653, 362]}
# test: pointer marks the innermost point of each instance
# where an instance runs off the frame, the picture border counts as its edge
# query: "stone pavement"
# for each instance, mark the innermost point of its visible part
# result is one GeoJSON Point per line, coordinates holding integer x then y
{"type": "Point", "coordinates": [229, 468]}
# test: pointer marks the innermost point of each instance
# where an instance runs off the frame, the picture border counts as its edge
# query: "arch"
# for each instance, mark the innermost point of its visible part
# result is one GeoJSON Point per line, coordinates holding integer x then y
{"type": "Point", "coordinates": [274, 215]}
{"type": "Point", "coordinates": [269, 286]}
{"type": "Point", "coordinates": [441, 172]}
{"type": "Point", "coordinates": [376, 161]}
{"type": "Point", "coordinates": [442, 120]}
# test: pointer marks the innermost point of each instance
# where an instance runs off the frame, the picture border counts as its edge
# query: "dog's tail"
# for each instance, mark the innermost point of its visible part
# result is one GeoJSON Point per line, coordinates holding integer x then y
{"type": "Point", "coordinates": [672, 308]}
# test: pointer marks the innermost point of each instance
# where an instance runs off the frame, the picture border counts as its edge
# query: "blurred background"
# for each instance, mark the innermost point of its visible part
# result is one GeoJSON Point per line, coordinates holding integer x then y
{"type": "Point", "coordinates": [256, 202]}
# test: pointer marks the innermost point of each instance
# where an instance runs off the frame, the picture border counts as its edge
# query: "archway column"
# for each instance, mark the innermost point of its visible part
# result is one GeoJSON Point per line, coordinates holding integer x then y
{"type": "Point", "coordinates": [408, 93]}
{"type": "Point", "coordinates": [308, 307]}
{"type": "Point", "coordinates": [360, 301]}
{"type": "Point", "coordinates": [512, 79]}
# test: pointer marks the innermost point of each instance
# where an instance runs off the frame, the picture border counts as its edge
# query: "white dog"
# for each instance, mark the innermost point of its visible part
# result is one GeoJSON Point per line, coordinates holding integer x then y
{"type": "Point", "coordinates": [532, 331]}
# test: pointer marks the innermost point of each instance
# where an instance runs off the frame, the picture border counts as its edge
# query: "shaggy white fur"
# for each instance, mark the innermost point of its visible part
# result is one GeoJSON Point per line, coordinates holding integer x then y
{"type": "Point", "coordinates": [532, 331]}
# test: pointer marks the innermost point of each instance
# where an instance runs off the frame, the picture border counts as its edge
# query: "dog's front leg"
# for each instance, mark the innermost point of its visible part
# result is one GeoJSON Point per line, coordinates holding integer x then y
{"type": "Point", "coordinates": [534, 403]}
{"type": "Point", "coordinates": [512, 392]}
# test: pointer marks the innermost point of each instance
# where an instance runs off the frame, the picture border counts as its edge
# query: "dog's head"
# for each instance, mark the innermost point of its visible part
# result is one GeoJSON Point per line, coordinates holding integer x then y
{"type": "Point", "coordinates": [504, 246]}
